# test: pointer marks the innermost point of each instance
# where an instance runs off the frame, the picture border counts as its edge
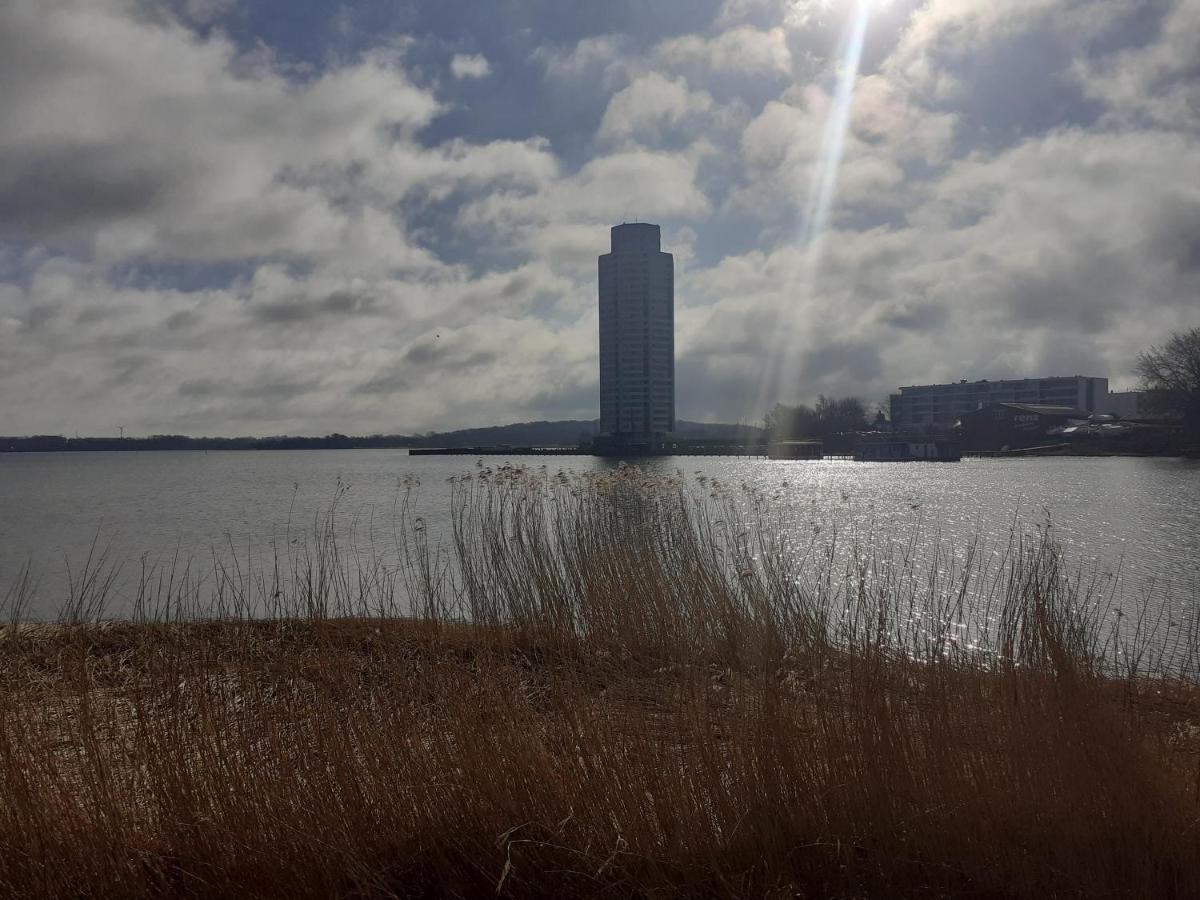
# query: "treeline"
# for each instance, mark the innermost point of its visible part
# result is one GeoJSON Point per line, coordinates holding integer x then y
{"type": "Point", "coordinates": [561, 433]}
{"type": "Point", "coordinates": [55, 442]}
{"type": "Point", "coordinates": [827, 418]}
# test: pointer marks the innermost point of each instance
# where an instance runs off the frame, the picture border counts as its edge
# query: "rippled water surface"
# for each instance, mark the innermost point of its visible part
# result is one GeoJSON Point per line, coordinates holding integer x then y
{"type": "Point", "coordinates": [1140, 517]}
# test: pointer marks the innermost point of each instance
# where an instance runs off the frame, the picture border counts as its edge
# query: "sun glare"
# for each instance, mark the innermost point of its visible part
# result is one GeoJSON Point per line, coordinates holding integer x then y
{"type": "Point", "coordinates": [780, 370]}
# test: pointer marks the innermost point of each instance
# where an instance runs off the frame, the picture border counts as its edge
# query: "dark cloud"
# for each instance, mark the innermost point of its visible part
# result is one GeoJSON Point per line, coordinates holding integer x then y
{"type": "Point", "coordinates": [40, 316]}
{"type": "Point", "coordinates": [915, 316]}
{"type": "Point", "coordinates": [129, 366]}
{"type": "Point", "coordinates": [298, 310]}
{"type": "Point", "coordinates": [1175, 236]}
{"type": "Point", "coordinates": [562, 401]}
{"type": "Point", "coordinates": [70, 189]}
{"type": "Point", "coordinates": [857, 362]}
{"type": "Point", "coordinates": [183, 319]}
{"type": "Point", "coordinates": [260, 387]}
{"type": "Point", "coordinates": [434, 352]}
{"type": "Point", "coordinates": [387, 383]}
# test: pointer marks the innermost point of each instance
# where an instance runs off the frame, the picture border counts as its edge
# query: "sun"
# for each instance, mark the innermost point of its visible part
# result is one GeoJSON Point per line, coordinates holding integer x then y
{"type": "Point", "coordinates": [798, 13]}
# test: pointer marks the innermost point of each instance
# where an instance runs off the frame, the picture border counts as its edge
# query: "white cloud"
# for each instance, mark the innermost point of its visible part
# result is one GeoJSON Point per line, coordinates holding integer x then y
{"type": "Point", "coordinates": [649, 104]}
{"type": "Point", "coordinates": [597, 57]}
{"type": "Point", "coordinates": [470, 66]}
{"type": "Point", "coordinates": [782, 146]}
{"type": "Point", "coordinates": [199, 160]}
{"type": "Point", "coordinates": [614, 188]}
{"type": "Point", "coordinates": [742, 50]}
{"type": "Point", "coordinates": [736, 12]}
{"type": "Point", "coordinates": [1157, 82]}
{"type": "Point", "coordinates": [942, 34]}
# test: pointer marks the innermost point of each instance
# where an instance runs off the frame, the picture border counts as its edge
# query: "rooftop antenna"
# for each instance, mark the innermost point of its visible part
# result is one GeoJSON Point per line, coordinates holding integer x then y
{"type": "Point", "coordinates": [121, 428]}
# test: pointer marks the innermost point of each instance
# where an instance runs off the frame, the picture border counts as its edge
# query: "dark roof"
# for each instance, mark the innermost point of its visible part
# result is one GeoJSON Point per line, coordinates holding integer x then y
{"type": "Point", "coordinates": [1046, 410]}
{"type": "Point", "coordinates": [1037, 408]}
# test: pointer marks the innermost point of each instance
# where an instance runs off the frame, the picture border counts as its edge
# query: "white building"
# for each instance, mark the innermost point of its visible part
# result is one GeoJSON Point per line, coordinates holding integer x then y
{"type": "Point", "coordinates": [938, 406]}
{"type": "Point", "coordinates": [637, 334]}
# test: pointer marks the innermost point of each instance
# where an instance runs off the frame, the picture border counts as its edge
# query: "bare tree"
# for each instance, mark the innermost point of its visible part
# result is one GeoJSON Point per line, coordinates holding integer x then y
{"type": "Point", "coordinates": [1171, 375]}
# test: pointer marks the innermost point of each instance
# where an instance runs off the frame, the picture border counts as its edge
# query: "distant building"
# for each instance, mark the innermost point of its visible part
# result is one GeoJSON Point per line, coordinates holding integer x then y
{"type": "Point", "coordinates": [1001, 426]}
{"type": "Point", "coordinates": [637, 335]}
{"type": "Point", "coordinates": [1126, 404]}
{"type": "Point", "coordinates": [936, 407]}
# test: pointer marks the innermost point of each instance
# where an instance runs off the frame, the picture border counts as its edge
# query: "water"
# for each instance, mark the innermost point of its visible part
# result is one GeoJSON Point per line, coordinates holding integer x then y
{"type": "Point", "coordinates": [1138, 517]}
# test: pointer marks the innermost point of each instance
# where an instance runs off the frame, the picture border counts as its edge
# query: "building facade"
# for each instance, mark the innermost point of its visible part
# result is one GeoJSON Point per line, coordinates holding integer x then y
{"type": "Point", "coordinates": [1006, 426]}
{"type": "Point", "coordinates": [936, 407]}
{"type": "Point", "coordinates": [637, 334]}
{"type": "Point", "coordinates": [1126, 404]}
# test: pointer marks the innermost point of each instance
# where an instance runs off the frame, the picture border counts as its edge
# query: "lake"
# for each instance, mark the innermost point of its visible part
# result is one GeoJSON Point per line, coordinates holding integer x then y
{"type": "Point", "coordinates": [1136, 517]}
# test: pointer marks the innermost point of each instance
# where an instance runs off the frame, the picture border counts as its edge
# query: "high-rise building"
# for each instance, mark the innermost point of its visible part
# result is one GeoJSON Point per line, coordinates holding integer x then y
{"type": "Point", "coordinates": [637, 334]}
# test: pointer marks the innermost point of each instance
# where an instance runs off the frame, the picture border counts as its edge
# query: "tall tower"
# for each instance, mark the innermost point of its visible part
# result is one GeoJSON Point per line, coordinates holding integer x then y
{"type": "Point", "coordinates": [637, 334]}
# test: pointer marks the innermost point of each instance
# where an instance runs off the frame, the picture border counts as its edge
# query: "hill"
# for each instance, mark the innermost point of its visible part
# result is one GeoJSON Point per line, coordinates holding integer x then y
{"type": "Point", "coordinates": [562, 433]}
{"type": "Point", "coordinates": [566, 432]}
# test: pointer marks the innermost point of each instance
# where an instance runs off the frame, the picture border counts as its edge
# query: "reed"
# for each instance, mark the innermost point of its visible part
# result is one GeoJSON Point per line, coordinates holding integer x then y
{"type": "Point", "coordinates": [600, 685]}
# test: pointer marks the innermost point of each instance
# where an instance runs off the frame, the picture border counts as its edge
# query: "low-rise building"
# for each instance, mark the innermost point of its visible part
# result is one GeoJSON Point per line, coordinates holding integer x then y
{"type": "Point", "coordinates": [1006, 426]}
{"type": "Point", "coordinates": [938, 407]}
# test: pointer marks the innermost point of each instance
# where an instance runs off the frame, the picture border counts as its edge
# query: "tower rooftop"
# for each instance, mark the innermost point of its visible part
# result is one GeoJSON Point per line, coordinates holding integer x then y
{"type": "Point", "coordinates": [636, 236]}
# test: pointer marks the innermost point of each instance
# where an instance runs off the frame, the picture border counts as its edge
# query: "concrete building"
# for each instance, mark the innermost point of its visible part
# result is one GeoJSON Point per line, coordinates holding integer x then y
{"type": "Point", "coordinates": [1126, 404]}
{"type": "Point", "coordinates": [637, 335]}
{"type": "Point", "coordinates": [937, 407]}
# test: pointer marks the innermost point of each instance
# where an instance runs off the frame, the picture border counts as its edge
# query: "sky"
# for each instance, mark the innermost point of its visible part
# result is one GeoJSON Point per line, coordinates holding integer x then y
{"type": "Point", "coordinates": [295, 216]}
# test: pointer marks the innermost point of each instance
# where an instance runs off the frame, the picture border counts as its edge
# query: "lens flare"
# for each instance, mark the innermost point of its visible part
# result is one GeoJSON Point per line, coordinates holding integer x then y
{"type": "Point", "coordinates": [778, 382]}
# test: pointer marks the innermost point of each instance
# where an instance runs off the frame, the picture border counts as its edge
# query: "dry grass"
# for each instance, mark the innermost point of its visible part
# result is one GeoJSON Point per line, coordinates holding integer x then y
{"type": "Point", "coordinates": [605, 686]}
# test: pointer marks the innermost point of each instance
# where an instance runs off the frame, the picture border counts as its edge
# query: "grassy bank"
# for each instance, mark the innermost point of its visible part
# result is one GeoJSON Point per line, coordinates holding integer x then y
{"type": "Point", "coordinates": [602, 686]}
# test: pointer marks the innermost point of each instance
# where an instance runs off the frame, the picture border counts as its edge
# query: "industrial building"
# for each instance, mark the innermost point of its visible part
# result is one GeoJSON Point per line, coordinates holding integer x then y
{"type": "Point", "coordinates": [637, 335]}
{"type": "Point", "coordinates": [1000, 426]}
{"type": "Point", "coordinates": [937, 407]}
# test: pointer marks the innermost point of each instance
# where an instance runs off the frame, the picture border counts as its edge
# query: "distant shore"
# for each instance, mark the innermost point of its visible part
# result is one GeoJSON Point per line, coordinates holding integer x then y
{"type": "Point", "coordinates": [450, 445]}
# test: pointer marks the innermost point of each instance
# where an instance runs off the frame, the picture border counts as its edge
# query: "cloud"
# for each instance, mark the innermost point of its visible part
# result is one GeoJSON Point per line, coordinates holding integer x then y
{"type": "Point", "coordinates": [593, 56]}
{"type": "Point", "coordinates": [612, 188]}
{"type": "Point", "coordinates": [1157, 82]}
{"type": "Point", "coordinates": [463, 65]}
{"type": "Point", "coordinates": [218, 156]}
{"type": "Point", "coordinates": [742, 49]}
{"type": "Point", "coordinates": [650, 104]}
{"type": "Point", "coordinates": [1034, 260]}
{"type": "Point", "coordinates": [203, 159]}
{"type": "Point", "coordinates": [210, 225]}
{"type": "Point", "coordinates": [736, 12]}
{"type": "Point", "coordinates": [782, 147]}
{"type": "Point", "coordinates": [206, 11]}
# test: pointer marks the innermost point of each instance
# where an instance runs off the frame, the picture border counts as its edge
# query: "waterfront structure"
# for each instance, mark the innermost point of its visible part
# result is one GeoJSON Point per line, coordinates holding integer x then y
{"type": "Point", "coordinates": [907, 451]}
{"type": "Point", "coordinates": [637, 335]}
{"type": "Point", "coordinates": [1003, 426]}
{"type": "Point", "coordinates": [937, 407]}
{"type": "Point", "coordinates": [796, 450]}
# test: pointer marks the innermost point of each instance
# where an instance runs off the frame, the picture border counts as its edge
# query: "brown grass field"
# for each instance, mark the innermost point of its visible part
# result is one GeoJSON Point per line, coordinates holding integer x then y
{"type": "Point", "coordinates": [607, 686]}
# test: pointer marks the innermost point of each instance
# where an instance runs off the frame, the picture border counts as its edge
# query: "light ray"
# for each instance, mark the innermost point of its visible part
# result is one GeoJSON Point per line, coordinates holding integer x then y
{"type": "Point", "coordinates": [778, 378]}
